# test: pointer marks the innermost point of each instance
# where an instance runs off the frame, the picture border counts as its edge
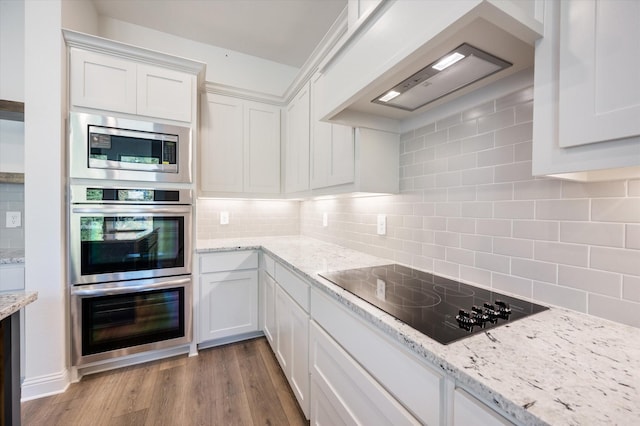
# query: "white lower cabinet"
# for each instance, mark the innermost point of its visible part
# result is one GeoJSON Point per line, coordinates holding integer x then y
{"type": "Point", "coordinates": [292, 345]}
{"type": "Point", "coordinates": [467, 410]}
{"type": "Point", "coordinates": [343, 393]}
{"type": "Point", "coordinates": [268, 307]}
{"type": "Point", "coordinates": [228, 299]}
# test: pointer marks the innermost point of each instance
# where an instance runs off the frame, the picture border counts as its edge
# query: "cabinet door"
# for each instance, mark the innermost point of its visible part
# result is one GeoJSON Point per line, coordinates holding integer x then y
{"type": "Point", "coordinates": [599, 97]}
{"type": "Point", "coordinates": [221, 147]}
{"type": "Point", "coordinates": [469, 411]}
{"type": "Point", "coordinates": [228, 304]}
{"type": "Point", "coordinates": [269, 308]}
{"type": "Point", "coordinates": [292, 346]}
{"type": "Point", "coordinates": [102, 82]}
{"type": "Point", "coordinates": [165, 93]}
{"type": "Point", "coordinates": [297, 144]}
{"type": "Point", "coordinates": [262, 148]}
{"type": "Point", "coordinates": [342, 156]}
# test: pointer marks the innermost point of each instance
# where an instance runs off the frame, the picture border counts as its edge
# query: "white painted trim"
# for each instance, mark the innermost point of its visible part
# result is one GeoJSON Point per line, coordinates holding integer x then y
{"type": "Point", "coordinates": [41, 386]}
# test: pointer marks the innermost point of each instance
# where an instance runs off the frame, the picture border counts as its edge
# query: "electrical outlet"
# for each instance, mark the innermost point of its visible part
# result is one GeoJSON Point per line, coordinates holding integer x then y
{"type": "Point", "coordinates": [325, 219]}
{"type": "Point", "coordinates": [14, 220]}
{"type": "Point", "coordinates": [382, 224]}
{"type": "Point", "coordinates": [224, 218]}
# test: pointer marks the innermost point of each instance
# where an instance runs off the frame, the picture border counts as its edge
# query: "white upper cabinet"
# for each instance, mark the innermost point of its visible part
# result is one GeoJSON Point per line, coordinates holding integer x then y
{"type": "Point", "coordinates": [240, 147]}
{"type": "Point", "coordinates": [332, 147]}
{"type": "Point", "coordinates": [110, 83]}
{"type": "Point", "coordinates": [587, 91]}
{"type": "Point", "coordinates": [297, 143]}
{"type": "Point", "coordinates": [599, 71]}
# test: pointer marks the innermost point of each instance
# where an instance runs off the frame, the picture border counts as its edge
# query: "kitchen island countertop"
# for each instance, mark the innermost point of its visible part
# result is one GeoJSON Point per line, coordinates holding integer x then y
{"type": "Point", "coordinates": [11, 302]}
{"type": "Point", "coordinates": [557, 367]}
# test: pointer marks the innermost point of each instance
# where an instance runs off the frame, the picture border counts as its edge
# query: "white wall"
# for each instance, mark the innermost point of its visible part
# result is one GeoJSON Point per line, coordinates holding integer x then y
{"type": "Point", "coordinates": [46, 326]}
{"type": "Point", "coordinates": [80, 16]}
{"type": "Point", "coordinates": [224, 66]}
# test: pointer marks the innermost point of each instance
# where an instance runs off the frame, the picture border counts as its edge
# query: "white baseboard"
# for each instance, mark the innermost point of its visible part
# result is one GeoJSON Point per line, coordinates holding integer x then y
{"type": "Point", "coordinates": [50, 384]}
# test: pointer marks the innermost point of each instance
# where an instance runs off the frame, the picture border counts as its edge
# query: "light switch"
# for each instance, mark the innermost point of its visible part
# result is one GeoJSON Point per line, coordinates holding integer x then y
{"type": "Point", "coordinates": [224, 218]}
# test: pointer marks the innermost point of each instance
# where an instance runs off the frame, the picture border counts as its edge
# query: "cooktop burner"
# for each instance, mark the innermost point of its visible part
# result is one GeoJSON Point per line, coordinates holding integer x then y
{"type": "Point", "coordinates": [445, 310]}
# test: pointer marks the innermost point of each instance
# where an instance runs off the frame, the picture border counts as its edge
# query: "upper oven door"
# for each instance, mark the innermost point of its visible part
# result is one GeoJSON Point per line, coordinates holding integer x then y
{"type": "Point", "coordinates": [102, 147]}
{"type": "Point", "coordinates": [124, 242]}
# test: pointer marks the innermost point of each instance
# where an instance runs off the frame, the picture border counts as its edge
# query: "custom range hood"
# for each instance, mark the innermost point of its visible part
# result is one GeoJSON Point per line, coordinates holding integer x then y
{"type": "Point", "coordinates": [401, 46]}
{"type": "Point", "coordinates": [459, 68]}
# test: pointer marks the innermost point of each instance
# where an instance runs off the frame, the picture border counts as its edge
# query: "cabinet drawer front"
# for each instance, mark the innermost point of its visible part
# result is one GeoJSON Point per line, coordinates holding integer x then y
{"type": "Point", "coordinates": [410, 381]}
{"type": "Point", "coordinates": [232, 261]}
{"type": "Point", "coordinates": [354, 395]}
{"type": "Point", "coordinates": [297, 288]}
{"type": "Point", "coordinates": [468, 410]}
{"type": "Point", "coordinates": [11, 278]}
{"type": "Point", "coordinates": [269, 265]}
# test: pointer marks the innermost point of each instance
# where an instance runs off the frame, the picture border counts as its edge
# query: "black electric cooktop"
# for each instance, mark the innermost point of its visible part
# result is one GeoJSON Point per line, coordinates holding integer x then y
{"type": "Point", "coordinates": [445, 310]}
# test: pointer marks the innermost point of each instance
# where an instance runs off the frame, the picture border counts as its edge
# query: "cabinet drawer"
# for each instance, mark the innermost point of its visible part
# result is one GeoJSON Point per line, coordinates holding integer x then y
{"type": "Point", "coordinates": [269, 265]}
{"type": "Point", "coordinates": [11, 277]}
{"type": "Point", "coordinates": [297, 288]}
{"type": "Point", "coordinates": [231, 261]}
{"type": "Point", "coordinates": [468, 410]}
{"type": "Point", "coordinates": [410, 381]}
{"type": "Point", "coordinates": [352, 393]}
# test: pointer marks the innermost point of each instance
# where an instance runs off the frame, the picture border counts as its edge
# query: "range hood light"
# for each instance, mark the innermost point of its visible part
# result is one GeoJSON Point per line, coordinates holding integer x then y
{"type": "Point", "coordinates": [457, 69]}
{"type": "Point", "coordinates": [448, 60]}
{"type": "Point", "coordinates": [390, 95]}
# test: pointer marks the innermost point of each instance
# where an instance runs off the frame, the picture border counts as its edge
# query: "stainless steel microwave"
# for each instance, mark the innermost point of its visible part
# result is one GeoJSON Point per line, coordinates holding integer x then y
{"type": "Point", "coordinates": [102, 147]}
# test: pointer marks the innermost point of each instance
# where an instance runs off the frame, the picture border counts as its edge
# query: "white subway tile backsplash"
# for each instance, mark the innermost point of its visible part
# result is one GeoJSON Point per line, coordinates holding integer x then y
{"type": "Point", "coordinates": [512, 172]}
{"type": "Point", "coordinates": [567, 254]}
{"type": "Point", "coordinates": [513, 247]}
{"type": "Point", "coordinates": [494, 227]}
{"type": "Point", "coordinates": [632, 238]}
{"type": "Point", "coordinates": [562, 210]}
{"type": "Point", "coordinates": [513, 209]}
{"type": "Point", "coordinates": [536, 230]}
{"type": "Point", "coordinates": [593, 189]}
{"type": "Point", "coordinates": [533, 269]}
{"type": "Point", "coordinates": [616, 260]}
{"type": "Point", "coordinates": [615, 309]}
{"type": "Point", "coordinates": [589, 280]}
{"type": "Point", "coordinates": [560, 296]}
{"type": "Point", "coordinates": [600, 234]}
{"type": "Point", "coordinates": [497, 120]}
{"type": "Point", "coordinates": [631, 288]}
{"type": "Point", "coordinates": [515, 134]}
{"type": "Point", "coordinates": [510, 284]}
{"type": "Point", "coordinates": [616, 210]}
{"type": "Point", "coordinates": [469, 207]}
{"type": "Point", "coordinates": [492, 262]}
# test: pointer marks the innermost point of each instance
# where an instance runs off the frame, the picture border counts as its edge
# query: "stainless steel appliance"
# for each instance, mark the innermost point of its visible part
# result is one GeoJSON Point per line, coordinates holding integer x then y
{"type": "Point", "coordinates": [445, 310]}
{"type": "Point", "coordinates": [103, 147]}
{"type": "Point", "coordinates": [129, 270]}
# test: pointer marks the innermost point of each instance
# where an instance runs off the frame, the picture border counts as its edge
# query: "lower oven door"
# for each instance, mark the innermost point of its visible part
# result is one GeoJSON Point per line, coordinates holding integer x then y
{"type": "Point", "coordinates": [122, 318]}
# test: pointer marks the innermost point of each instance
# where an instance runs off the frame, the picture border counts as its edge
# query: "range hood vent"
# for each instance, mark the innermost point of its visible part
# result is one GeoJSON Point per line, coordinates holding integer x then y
{"type": "Point", "coordinates": [457, 69]}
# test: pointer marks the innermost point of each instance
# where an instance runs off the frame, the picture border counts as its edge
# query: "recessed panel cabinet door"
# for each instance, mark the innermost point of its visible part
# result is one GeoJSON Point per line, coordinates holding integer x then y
{"type": "Point", "coordinates": [599, 97]}
{"type": "Point", "coordinates": [297, 143]}
{"type": "Point", "coordinates": [102, 82]}
{"type": "Point", "coordinates": [164, 93]}
{"type": "Point", "coordinates": [262, 148]}
{"type": "Point", "coordinates": [228, 304]}
{"type": "Point", "coordinates": [221, 148]}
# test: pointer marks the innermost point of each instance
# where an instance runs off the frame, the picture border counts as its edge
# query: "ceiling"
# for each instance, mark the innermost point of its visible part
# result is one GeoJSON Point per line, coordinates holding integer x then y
{"type": "Point", "coordinates": [283, 31]}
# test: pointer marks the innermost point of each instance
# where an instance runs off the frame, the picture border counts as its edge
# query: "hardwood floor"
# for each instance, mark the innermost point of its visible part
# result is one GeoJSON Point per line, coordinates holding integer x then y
{"type": "Point", "coordinates": [236, 384]}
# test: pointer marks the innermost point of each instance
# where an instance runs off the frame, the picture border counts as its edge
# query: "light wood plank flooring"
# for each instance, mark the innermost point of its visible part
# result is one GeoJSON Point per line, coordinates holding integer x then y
{"type": "Point", "coordinates": [236, 384]}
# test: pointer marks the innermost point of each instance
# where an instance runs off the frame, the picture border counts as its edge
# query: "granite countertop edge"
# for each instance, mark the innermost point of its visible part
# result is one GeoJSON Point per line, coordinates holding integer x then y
{"type": "Point", "coordinates": [564, 358]}
{"type": "Point", "coordinates": [11, 256]}
{"type": "Point", "coordinates": [11, 302]}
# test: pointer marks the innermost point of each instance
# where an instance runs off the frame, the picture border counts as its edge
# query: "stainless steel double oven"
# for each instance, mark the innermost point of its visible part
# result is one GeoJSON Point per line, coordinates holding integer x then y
{"type": "Point", "coordinates": [130, 236]}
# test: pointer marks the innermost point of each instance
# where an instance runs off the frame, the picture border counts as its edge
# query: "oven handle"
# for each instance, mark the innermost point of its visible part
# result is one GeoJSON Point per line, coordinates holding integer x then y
{"type": "Point", "coordinates": [128, 288]}
{"type": "Point", "coordinates": [131, 209]}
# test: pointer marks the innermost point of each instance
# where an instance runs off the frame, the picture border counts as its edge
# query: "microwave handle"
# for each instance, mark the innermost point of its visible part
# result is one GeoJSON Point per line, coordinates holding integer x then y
{"type": "Point", "coordinates": [84, 292]}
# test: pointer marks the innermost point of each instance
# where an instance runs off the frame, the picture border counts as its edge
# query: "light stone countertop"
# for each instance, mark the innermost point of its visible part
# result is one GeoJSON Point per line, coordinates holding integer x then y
{"type": "Point", "coordinates": [557, 367]}
{"type": "Point", "coordinates": [11, 256]}
{"type": "Point", "coordinates": [14, 301]}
